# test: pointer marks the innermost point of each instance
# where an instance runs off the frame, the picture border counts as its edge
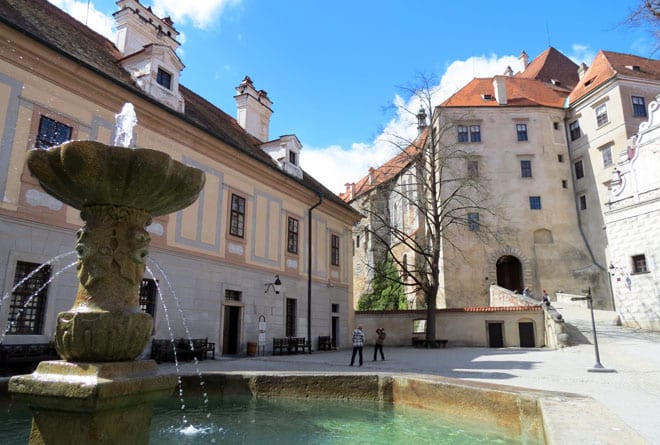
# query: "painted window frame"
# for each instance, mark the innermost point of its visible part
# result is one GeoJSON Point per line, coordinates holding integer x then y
{"type": "Point", "coordinates": [535, 203]}
{"type": "Point", "coordinates": [237, 216]}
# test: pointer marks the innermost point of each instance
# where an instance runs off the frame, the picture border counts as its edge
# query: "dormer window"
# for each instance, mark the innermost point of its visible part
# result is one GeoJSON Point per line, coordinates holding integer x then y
{"type": "Point", "coordinates": [164, 78]}
{"type": "Point", "coordinates": [293, 157]}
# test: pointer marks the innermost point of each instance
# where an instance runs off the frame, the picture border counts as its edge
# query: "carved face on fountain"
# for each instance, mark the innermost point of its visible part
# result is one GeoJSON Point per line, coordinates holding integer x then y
{"type": "Point", "coordinates": [118, 191]}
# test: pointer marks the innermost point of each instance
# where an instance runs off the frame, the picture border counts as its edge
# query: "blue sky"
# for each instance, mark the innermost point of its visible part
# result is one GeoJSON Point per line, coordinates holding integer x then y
{"type": "Point", "coordinates": [332, 68]}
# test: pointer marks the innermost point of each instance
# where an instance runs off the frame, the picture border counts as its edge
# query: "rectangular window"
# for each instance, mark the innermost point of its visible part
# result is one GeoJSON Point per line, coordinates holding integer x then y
{"type": "Point", "coordinates": [148, 296]}
{"type": "Point", "coordinates": [639, 106]}
{"type": "Point", "coordinates": [555, 125]}
{"type": "Point", "coordinates": [475, 133]}
{"type": "Point", "coordinates": [521, 131]}
{"type": "Point", "coordinates": [233, 295]}
{"type": "Point", "coordinates": [237, 222]}
{"type": "Point", "coordinates": [606, 153]}
{"type": "Point", "coordinates": [601, 115]}
{"type": "Point", "coordinates": [462, 133]}
{"type": "Point", "coordinates": [574, 129]}
{"type": "Point", "coordinates": [579, 170]}
{"type": "Point", "coordinates": [292, 237]}
{"type": "Point", "coordinates": [526, 169]}
{"type": "Point", "coordinates": [583, 202]}
{"type": "Point", "coordinates": [335, 307]}
{"type": "Point", "coordinates": [164, 78]}
{"type": "Point", "coordinates": [291, 312]}
{"type": "Point", "coordinates": [535, 202]}
{"type": "Point", "coordinates": [28, 301]}
{"type": "Point", "coordinates": [52, 133]}
{"type": "Point", "coordinates": [473, 222]}
{"type": "Point", "coordinates": [293, 158]}
{"type": "Point", "coordinates": [560, 158]}
{"type": "Point", "coordinates": [564, 184]}
{"type": "Point", "coordinates": [334, 255]}
{"type": "Point", "coordinates": [473, 168]}
{"type": "Point", "coordinates": [639, 264]}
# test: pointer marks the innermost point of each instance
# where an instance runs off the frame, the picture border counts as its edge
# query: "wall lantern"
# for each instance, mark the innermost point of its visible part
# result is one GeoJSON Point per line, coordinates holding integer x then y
{"type": "Point", "coordinates": [276, 285]}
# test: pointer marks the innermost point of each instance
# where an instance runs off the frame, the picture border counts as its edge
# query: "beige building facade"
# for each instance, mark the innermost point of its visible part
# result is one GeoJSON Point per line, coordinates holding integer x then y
{"type": "Point", "coordinates": [258, 218]}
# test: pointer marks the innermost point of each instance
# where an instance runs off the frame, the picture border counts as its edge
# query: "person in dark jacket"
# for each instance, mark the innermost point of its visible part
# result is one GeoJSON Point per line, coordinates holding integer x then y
{"type": "Point", "coordinates": [380, 339]}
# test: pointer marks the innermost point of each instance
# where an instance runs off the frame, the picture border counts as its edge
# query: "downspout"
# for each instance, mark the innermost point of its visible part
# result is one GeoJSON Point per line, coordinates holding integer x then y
{"type": "Point", "coordinates": [577, 211]}
{"type": "Point", "coordinates": [309, 271]}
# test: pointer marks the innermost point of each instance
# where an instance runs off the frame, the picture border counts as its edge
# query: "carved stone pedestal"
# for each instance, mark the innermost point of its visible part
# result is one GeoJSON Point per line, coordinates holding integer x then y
{"type": "Point", "coordinates": [92, 403]}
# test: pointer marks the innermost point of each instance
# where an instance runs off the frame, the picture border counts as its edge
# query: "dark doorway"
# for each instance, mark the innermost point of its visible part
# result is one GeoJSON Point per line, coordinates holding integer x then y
{"type": "Point", "coordinates": [495, 335]}
{"type": "Point", "coordinates": [526, 332]}
{"type": "Point", "coordinates": [230, 332]}
{"type": "Point", "coordinates": [509, 273]}
{"type": "Point", "coordinates": [335, 331]}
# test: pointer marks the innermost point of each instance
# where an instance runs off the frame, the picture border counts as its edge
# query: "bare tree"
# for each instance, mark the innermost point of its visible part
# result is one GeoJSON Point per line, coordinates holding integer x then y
{"type": "Point", "coordinates": [445, 196]}
{"type": "Point", "coordinates": [646, 14]}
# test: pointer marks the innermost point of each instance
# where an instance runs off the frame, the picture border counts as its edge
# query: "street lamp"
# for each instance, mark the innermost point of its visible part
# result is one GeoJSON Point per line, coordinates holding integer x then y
{"type": "Point", "coordinates": [276, 285]}
{"type": "Point", "coordinates": [598, 367]}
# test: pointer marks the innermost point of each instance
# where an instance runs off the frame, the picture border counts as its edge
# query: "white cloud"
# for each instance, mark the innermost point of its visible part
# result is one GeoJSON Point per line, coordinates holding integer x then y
{"type": "Point", "coordinates": [581, 53]}
{"type": "Point", "coordinates": [334, 166]}
{"type": "Point", "coordinates": [88, 14]}
{"type": "Point", "coordinates": [201, 13]}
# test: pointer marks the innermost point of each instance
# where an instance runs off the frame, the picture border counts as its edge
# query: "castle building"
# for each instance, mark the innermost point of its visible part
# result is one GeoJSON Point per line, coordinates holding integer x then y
{"type": "Point", "coordinates": [260, 219]}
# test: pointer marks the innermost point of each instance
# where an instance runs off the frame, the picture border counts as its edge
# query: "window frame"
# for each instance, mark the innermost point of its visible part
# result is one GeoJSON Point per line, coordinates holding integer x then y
{"type": "Point", "coordinates": [463, 133]}
{"type": "Point", "coordinates": [601, 115]}
{"type": "Point", "coordinates": [606, 154]}
{"type": "Point", "coordinates": [473, 168]}
{"type": "Point", "coordinates": [293, 157]}
{"type": "Point", "coordinates": [148, 296]}
{"type": "Point", "coordinates": [638, 109]}
{"type": "Point", "coordinates": [237, 216]}
{"type": "Point", "coordinates": [583, 202]}
{"type": "Point", "coordinates": [526, 168]}
{"type": "Point", "coordinates": [639, 264]}
{"type": "Point", "coordinates": [291, 317]}
{"type": "Point", "coordinates": [535, 203]}
{"type": "Point", "coordinates": [334, 250]}
{"type": "Point", "coordinates": [574, 130]}
{"type": "Point", "coordinates": [578, 171]}
{"type": "Point", "coordinates": [44, 143]}
{"type": "Point", "coordinates": [293, 233]}
{"type": "Point", "coordinates": [25, 318]}
{"type": "Point", "coordinates": [475, 133]}
{"type": "Point", "coordinates": [473, 222]}
{"type": "Point", "coordinates": [521, 132]}
{"type": "Point", "coordinates": [164, 78]}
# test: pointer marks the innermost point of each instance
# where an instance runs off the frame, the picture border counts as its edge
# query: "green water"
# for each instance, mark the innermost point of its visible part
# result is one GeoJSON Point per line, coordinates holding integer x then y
{"type": "Point", "coordinates": [244, 420]}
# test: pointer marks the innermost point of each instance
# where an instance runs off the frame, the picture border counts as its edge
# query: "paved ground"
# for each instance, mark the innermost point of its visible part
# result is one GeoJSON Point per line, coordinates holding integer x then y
{"type": "Point", "coordinates": [632, 392]}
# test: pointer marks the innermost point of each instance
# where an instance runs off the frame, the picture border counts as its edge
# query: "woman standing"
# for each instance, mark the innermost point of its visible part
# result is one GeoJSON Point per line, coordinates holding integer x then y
{"type": "Point", "coordinates": [380, 338]}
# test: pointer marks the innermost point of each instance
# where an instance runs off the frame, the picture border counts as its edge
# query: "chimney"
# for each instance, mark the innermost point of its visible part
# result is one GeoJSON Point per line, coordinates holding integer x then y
{"type": "Point", "coordinates": [508, 72]}
{"type": "Point", "coordinates": [137, 26]}
{"type": "Point", "coordinates": [350, 190]}
{"type": "Point", "coordinates": [524, 61]}
{"type": "Point", "coordinates": [582, 69]}
{"type": "Point", "coordinates": [253, 109]}
{"type": "Point", "coordinates": [371, 175]}
{"type": "Point", "coordinates": [499, 86]}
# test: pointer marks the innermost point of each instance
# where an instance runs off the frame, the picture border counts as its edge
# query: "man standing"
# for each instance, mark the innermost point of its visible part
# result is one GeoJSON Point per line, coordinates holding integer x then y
{"type": "Point", "coordinates": [380, 338]}
{"type": "Point", "coordinates": [358, 344]}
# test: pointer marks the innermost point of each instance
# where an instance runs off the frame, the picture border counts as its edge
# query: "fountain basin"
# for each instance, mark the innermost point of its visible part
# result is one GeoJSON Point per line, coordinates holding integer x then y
{"type": "Point", "coordinates": [84, 173]}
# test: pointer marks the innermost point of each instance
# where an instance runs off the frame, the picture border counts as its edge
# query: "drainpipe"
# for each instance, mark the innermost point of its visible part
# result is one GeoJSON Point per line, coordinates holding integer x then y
{"type": "Point", "coordinates": [309, 270]}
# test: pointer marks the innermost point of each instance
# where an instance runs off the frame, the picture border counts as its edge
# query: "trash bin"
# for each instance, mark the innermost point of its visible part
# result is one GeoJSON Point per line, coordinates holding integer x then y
{"type": "Point", "coordinates": [251, 349]}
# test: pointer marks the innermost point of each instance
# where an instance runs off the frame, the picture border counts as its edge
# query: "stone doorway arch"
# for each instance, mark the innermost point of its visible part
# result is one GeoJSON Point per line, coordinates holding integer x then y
{"type": "Point", "coordinates": [509, 272]}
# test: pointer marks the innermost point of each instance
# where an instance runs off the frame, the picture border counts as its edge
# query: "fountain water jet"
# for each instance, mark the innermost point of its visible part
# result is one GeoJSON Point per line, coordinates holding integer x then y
{"type": "Point", "coordinates": [99, 393]}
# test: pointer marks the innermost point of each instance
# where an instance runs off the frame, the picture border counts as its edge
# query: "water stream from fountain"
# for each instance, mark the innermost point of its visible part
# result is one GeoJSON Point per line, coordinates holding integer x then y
{"type": "Point", "coordinates": [32, 295]}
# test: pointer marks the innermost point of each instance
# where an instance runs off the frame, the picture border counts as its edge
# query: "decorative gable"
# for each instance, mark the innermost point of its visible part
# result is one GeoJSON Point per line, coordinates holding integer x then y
{"type": "Point", "coordinates": [148, 45]}
{"type": "Point", "coordinates": [286, 151]}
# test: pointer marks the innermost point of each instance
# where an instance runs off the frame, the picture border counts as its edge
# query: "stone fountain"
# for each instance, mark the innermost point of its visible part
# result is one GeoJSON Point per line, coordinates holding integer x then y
{"type": "Point", "coordinates": [99, 393]}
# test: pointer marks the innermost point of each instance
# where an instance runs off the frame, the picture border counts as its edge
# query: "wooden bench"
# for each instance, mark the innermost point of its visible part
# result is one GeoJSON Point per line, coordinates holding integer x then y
{"type": "Point", "coordinates": [292, 345]}
{"type": "Point", "coordinates": [418, 342]}
{"type": "Point", "coordinates": [326, 343]}
{"type": "Point", "coordinates": [16, 358]}
{"type": "Point", "coordinates": [186, 350]}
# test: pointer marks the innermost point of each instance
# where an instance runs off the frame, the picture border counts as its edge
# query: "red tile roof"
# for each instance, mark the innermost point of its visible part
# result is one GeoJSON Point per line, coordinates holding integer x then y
{"type": "Point", "coordinates": [550, 66]}
{"type": "Point", "coordinates": [520, 92]}
{"type": "Point", "coordinates": [608, 64]}
{"type": "Point", "coordinates": [389, 170]}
